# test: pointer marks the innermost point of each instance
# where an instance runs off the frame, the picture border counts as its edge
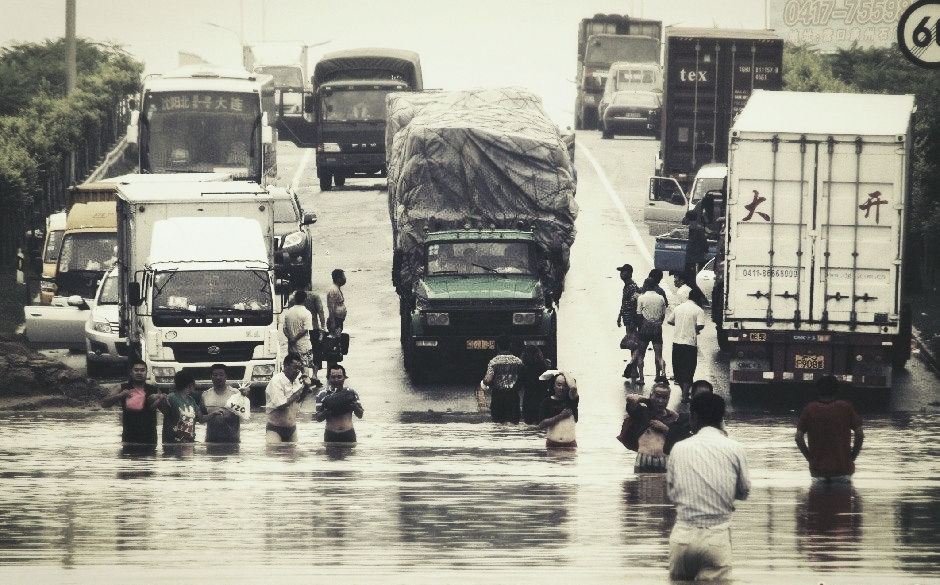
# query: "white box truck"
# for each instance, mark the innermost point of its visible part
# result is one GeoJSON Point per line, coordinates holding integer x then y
{"type": "Point", "coordinates": [818, 195]}
{"type": "Point", "coordinates": [197, 279]}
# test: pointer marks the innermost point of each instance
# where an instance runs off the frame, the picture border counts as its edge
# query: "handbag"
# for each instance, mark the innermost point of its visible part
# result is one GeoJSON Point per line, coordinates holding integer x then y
{"type": "Point", "coordinates": [633, 427]}
{"type": "Point", "coordinates": [629, 341]}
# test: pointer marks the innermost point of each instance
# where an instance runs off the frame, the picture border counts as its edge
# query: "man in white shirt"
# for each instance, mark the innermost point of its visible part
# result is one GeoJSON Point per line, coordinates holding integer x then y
{"type": "Point", "coordinates": [298, 322]}
{"type": "Point", "coordinates": [224, 423]}
{"type": "Point", "coordinates": [705, 474]}
{"type": "Point", "coordinates": [651, 308]}
{"type": "Point", "coordinates": [689, 320]}
{"type": "Point", "coordinates": [284, 393]}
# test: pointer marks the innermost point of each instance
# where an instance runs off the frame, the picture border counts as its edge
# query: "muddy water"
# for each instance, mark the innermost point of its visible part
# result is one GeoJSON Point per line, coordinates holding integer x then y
{"type": "Point", "coordinates": [449, 498]}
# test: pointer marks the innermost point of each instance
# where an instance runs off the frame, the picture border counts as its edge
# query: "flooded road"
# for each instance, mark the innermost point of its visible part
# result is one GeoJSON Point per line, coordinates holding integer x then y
{"type": "Point", "coordinates": [434, 491]}
{"type": "Point", "coordinates": [462, 500]}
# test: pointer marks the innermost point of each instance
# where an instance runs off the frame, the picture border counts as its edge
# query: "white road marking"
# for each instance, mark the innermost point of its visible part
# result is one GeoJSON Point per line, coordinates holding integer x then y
{"type": "Point", "coordinates": [300, 169]}
{"type": "Point", "coordinates": [637, 239]}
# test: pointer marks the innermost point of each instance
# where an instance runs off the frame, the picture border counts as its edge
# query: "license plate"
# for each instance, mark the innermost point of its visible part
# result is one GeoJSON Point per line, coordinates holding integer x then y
{"type": "Point", "coordinates": [810, 362]}
{"type": "Point", "coordinates": [481, 344]}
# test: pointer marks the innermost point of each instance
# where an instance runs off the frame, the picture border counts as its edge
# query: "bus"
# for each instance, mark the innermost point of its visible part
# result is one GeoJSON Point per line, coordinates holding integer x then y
{"type": "Point", "coordinates": [202, 119]}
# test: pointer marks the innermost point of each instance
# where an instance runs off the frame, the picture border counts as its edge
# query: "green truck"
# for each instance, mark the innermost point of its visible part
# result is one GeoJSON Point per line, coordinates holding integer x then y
{"type": "Point", "coordinates": [481, 201]}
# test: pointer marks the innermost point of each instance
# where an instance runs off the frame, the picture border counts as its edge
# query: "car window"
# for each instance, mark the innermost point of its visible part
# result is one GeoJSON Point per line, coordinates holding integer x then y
{"type": "Point", "coordinates": [285, 212]}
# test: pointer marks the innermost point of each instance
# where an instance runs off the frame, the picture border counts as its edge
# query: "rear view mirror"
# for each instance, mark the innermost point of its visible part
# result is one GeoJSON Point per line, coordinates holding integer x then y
{"type": "Point", "coordinates": [133, 294]}
{"type": "Point", "coordinates": [132, 137]}
{"type": "Point", "coordinates": [310, 218]}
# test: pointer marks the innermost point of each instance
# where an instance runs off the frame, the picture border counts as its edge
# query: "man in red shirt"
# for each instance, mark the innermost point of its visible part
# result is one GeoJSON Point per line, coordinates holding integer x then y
{"type": "Point", "coordinates": [830, 424]}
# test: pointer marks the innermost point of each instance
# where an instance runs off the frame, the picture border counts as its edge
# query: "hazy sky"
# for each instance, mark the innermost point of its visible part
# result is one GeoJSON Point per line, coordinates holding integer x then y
{"type": "Point", "coordinates": [462, 43]}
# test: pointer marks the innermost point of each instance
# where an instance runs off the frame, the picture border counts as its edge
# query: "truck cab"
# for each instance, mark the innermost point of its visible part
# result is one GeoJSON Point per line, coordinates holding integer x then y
{"type": "Point", "coordinates": [474, 286]}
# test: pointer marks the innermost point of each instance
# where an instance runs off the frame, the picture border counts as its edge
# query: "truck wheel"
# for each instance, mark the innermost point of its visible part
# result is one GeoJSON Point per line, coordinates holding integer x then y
{"type": "Point", "coordinates": [93, 369]}
{"type": "Point", "coordinates": [902, 341]}
{"type": "Point", "coordinates": [339, 180]}
{"type": "Point", "coordinates": [606, 134]}
{"type": "Point", "coordinates": [418, 370]}
{"type": "Point", "coordinates": [722, 336]}
{"type": "Point", "coordinates": [739, 392]}
{"type": "Point", "coordinates": [326, 181]}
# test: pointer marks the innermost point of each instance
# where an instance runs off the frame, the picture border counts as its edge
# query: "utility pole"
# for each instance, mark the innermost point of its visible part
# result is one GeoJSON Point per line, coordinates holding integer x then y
{"type": "Point", "coordinates": [70, 49]}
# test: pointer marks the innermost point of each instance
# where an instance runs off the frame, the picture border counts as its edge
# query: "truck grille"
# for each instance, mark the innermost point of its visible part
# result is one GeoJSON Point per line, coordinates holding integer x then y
{"type": "Point", "coordinates": [205, 374]}
{"type": "Point", "coordinates": [484, 323]}
{"type": "Point", "coordinates": [232, 351]}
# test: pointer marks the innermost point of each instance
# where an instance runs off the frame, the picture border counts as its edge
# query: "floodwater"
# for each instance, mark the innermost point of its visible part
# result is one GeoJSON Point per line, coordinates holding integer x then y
{"type": "Point", "coordinates": [444, 496]}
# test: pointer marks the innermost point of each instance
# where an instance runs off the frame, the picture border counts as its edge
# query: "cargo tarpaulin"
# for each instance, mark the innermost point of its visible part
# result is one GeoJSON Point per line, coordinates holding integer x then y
{"type": "Point", "coordinates": [484, 158]}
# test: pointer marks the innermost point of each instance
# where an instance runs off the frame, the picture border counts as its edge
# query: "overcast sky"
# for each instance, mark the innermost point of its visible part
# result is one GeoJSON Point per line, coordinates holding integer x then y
{"type": "Point", "coordinates": [462, 43]}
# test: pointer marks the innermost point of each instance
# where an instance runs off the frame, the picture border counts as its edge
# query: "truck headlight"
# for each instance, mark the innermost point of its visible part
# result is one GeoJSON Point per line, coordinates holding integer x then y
{"type": "Point", "coordinates": [47, 286]}
{"type": "Point", "coordinates": [101, 326]}
{"type": "Point", "coordinates": [437, 319]}
{"type": "Point", "coordinates": [163, 372]}
{"type": "Point", "coordinates": [330, 147]}
{"type": "Point", "coordinates": [294, 240]}
{"type": "Point", "coordinates": [523, 318]}
{"type": "Point", "coordinates": [262, 373]}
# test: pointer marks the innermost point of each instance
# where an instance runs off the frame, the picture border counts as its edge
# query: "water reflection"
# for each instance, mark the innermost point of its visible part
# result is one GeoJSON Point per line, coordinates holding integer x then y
{"type": "Point", "coordinates": [829, 523]}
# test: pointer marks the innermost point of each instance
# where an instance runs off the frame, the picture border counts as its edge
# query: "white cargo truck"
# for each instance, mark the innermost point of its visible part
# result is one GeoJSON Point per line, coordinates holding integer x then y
{"type": "Point", "coordinates": [818, 195]}
{"type": "Point", "coordinates": [197, 280]}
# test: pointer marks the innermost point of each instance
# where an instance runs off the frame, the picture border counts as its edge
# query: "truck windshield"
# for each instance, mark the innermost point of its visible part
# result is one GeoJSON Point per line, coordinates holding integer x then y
{"type": "Point", "coordinates": [201, 131]}
{"type": "Point", "coordinates": [285, 77]}
{"type": "Point", "coordinates": [465, 258]}
{"type": "Point", "coordinates": [94, 252]}
{"type": "Point", "coordinates": [605, 50]}
{"type": "Point", "coordinates": [201, 291]}
{"type": "Point", "coordinates": [354, 105]}
{"type": "Point", "coordinates": [704, 185]}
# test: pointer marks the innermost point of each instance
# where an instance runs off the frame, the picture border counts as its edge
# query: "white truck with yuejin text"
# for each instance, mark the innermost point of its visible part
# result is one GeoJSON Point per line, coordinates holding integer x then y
{"type": "Point", "coordinates": [816, 223]}
{"type": "Point", "coordinates": [197, 280]}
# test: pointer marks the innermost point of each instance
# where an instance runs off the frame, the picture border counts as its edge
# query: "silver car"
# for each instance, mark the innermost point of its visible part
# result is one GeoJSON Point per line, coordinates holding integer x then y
{"type": "Point", "coordinates": [103, 345]}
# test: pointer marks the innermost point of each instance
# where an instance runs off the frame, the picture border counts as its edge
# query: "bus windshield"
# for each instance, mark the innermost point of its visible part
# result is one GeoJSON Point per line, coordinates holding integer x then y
{"type": "Point", "coordinates": [201, 131]}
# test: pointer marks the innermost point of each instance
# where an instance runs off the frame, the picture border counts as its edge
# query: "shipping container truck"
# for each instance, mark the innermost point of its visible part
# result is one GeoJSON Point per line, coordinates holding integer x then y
{"type": "Point", "coordinates": [348, 107]}
{"type": "Point", "coordinates": [710, 73]}
{"type": "Point", "coordinates": [602, 40]}
{"type": "Point", "coordinates": [197, 280]}
{"type": "Point", "coordinates": [203, 119]}
{"type": "Point", "coordinates": [817, 211]}
{"type": "Point", "coordinates": [481, 199]}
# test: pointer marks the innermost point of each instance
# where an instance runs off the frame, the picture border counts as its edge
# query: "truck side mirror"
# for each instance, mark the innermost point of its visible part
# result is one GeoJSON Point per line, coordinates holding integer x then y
{"type": "Point", "coordinates": [310, 218]}
{"type": "Point", "coordinates": [132, 132]}
{"type": "Point", "coordinates": [267, 133]}
{"type": "Point", "coordinates": [133, 294]}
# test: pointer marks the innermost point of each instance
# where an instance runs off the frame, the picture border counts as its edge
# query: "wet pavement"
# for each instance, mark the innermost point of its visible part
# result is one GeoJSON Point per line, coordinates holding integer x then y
{"type": "Point", "coordinates": [433, 491]}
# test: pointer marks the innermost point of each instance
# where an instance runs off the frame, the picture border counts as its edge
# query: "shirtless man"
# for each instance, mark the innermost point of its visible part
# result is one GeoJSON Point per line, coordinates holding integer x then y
{"type": "Point", "coordinates": [336, 303]}
{"type": "Point", "coordinates": [284, 393]}
{"type": "Point", "coordinates": [339, 425]}
{"type": "Point", "coordinates": [559, 412]}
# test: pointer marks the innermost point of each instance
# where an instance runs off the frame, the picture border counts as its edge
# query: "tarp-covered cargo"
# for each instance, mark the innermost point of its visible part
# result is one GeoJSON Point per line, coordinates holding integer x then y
{"type": "Point", "coordinates": [370, 63]}
{"type": "Point", "coordinates": [485, 158]}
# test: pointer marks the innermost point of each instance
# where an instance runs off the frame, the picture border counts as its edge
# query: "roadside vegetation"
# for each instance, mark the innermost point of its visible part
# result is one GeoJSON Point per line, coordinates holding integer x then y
{"type": "Point", "coordinates": [49, 140]}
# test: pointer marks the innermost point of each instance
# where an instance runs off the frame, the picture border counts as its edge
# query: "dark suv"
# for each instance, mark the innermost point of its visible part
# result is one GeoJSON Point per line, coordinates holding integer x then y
{"type": "Point", "coordinates": [292, 237]}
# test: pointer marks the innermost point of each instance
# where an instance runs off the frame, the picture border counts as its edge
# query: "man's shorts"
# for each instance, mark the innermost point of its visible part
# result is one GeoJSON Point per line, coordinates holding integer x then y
{"type": "Point", "coordinates": [684, 360]}
{"type": "Point", "coordinates": [650, 333]}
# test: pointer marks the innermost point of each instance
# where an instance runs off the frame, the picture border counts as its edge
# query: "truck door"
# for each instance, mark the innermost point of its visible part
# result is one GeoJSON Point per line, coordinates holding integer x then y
{"type": "Point", "coordinates": [814, 233]}
{"type": "Point", "coordinates": [57, 326]}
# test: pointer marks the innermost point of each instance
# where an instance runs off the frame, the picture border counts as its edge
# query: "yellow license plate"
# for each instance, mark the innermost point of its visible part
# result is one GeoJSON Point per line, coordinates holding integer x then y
{"type": "Point", "coordinates": [481, 344]}
{"type": "Point", "coordinates": [810, 362]}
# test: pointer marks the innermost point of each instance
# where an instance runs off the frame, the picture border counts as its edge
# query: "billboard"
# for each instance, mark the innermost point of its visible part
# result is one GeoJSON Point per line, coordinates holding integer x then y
{"type": "Point", "coordinates": [829, 25]}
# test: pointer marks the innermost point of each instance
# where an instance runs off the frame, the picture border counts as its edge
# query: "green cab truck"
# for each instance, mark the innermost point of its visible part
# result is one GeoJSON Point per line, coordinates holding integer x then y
{"type": "Point", "coordinates": [481, 198]}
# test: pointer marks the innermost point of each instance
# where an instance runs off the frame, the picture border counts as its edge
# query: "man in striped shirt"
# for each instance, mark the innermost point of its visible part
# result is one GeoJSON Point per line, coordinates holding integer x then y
{"type": "Point", "coordinates": [704, 474]}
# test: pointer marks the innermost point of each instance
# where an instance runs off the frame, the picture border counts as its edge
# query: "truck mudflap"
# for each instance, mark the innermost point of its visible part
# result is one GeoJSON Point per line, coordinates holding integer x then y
{"type": "Point", "coordinates": [860, 360]}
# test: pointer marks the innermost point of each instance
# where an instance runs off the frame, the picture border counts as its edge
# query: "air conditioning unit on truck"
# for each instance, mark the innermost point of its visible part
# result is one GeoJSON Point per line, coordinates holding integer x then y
{"type": "Point", "coordinates": [816, 224]}
{"type": "Point", "coordinates": [482, 206]}
{"type": "Point", "coordinates": [197, 280]}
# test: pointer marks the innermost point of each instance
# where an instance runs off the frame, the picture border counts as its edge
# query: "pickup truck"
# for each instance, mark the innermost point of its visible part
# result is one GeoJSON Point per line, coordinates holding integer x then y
{"type": "Point", "coordinates": [668, 202]}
